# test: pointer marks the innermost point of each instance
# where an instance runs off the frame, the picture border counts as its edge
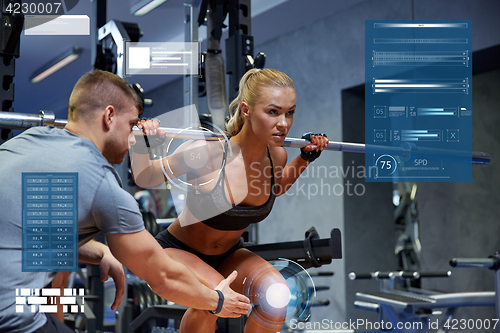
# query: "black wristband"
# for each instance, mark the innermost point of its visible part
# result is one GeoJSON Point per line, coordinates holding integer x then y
{"type": "Point", "coordinates": [144, 143]}
{"type": "Point", "coordinates": [310, 156]}
{"type": "Point", "coordinates": [219, 304]}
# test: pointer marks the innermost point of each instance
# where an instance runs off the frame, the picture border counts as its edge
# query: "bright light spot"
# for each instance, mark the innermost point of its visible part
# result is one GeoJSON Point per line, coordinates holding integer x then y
{"type": "Point", "coordinates": [395, 198]}
{"type": "Point", "coordinates": [278, 295]}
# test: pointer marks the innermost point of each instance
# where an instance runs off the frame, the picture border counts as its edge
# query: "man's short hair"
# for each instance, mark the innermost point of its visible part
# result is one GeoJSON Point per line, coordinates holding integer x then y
{"type": "Point", "coordinates": [96, 90]}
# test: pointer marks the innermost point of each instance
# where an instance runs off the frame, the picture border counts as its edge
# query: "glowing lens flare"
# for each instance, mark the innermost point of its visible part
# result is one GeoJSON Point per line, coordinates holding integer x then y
{"type": "Point", "coordinates": [278, 295]}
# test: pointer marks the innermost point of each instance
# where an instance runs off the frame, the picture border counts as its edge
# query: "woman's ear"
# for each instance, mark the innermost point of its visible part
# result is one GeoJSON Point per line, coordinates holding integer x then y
{"type": "Point", "coordinates": [245, 110]}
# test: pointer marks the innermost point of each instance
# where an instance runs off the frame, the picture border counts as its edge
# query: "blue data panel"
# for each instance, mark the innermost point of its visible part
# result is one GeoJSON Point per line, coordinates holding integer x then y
{"type": "Point", "coordinates": [50, 222]}
{"type": "Point", "coordinates": [418, 101]}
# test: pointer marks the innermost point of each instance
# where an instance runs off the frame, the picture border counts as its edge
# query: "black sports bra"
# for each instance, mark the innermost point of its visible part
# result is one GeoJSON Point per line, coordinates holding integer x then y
{"type": "Point", "coordinates": [213, 209]}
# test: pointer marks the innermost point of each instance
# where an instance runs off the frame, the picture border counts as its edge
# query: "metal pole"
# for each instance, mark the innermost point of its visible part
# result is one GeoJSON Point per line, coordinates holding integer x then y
{"type": "Point", "coordinates": [98, 20]}
{"type": "Point", "coordinates": [191, 81]}
{"type": "Point", "coordinates": [497, 289]}
{"type": "Point", "coordinates": [22, 121]}
{"type": "Point", "coordinates": [405, 152]}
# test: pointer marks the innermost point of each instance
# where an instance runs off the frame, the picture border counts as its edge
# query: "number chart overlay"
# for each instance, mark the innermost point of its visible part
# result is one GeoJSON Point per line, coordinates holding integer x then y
{"type": "Point", "coordinates": [418, 101]}
{"type": "Point", "coordinates": [50, 222]}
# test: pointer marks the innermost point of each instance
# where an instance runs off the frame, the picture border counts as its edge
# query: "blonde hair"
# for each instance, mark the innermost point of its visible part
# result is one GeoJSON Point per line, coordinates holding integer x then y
{"type": "Point", "coordinates": [250, 90]}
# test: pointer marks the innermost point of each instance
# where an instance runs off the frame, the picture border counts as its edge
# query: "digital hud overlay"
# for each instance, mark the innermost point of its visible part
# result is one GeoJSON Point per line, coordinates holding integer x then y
{"type": "Point", "coordinates": [418, 101]}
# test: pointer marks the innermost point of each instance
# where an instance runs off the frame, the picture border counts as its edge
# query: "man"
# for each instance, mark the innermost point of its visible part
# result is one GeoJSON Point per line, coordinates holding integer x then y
{"type": "Point", "coordinates": [103, 108]}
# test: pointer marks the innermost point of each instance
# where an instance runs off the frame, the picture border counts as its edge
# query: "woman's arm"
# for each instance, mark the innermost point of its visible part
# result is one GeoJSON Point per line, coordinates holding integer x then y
{"type": "Point", "coordinates": [148, 173]}
{"type": "Point", "coordinates": [294, 169]}
{"type": "Point", "coordinates": [290, 173]}
{"type": "Point", "coordinates": [192, 157]}
{"type": "Point", "coordinates": [185, 159]}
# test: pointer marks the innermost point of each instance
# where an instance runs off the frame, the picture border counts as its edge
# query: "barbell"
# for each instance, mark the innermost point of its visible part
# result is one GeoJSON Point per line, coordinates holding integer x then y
{"type": "Point", "coordinates": [406, 151]}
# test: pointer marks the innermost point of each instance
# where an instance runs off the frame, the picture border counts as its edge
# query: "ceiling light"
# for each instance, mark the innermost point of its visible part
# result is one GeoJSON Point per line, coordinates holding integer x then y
{"type": "Point", "coordinates": [145, 6]}
{"type": "Point", "coordinates": [55, 64]}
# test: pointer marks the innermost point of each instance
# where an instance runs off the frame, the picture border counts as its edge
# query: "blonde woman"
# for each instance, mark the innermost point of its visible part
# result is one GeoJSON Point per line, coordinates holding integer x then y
{"type": "Point", "coordinates": [229, 193]}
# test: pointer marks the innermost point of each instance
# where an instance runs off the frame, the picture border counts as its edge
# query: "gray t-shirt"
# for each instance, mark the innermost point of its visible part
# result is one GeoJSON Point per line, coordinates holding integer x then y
{"type": "Point", "coordinates": [102, 205]}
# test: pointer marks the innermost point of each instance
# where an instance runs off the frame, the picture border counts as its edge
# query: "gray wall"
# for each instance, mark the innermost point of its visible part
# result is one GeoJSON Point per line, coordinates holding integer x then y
{"type": "Point", "coordinates": [462, 220]}
{"type": "Point", "coordinates": [326, 57]}
{"type": "Point", "coordinates": [167, 98]}
{"type": "Point", "coordinates": [368, 228]}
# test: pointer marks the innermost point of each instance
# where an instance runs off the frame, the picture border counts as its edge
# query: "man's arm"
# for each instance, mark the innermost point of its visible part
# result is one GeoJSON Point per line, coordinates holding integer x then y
{"type": "Point", "coordinates": [142, 254]}
{"type": "Point", "coordinates": [92, 252]}
{"type": "Point", "coordinates": [99, 254]}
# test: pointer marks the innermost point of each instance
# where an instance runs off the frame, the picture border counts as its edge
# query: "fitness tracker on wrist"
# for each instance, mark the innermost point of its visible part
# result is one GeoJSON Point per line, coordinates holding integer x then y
{"type": "Point", "coordinates": [219, 304]}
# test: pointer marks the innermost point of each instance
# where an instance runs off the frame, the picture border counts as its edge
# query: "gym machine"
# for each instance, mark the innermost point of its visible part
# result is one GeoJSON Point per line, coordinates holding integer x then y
{"type": "Point", "coordinates": [239, 51]}
{"type": "Point", "coordinates": [414, 309]}
{"type": "Point", "coordinates": [12, 25]}
{"type": "Point", "coordinates": [493, 263]}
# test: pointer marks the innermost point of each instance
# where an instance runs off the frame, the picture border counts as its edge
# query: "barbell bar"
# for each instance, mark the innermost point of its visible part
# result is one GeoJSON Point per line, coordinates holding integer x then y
{"type": "Point", "coordinates": [22, 121]}
{"type": "Point", "coordinates": [406, 151]}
